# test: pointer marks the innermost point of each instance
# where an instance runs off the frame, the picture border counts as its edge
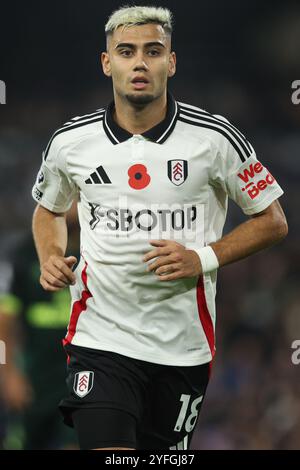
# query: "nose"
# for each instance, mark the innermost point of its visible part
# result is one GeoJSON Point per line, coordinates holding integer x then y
{"type": "Point", "coordinates": [140, 63]}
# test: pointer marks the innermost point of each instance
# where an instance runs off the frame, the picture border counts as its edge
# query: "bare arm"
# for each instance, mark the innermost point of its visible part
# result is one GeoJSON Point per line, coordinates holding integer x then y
{"type": "Point", "coordinates": [261, 231]}
{"type": "Point", "coordinates": [51, 236]}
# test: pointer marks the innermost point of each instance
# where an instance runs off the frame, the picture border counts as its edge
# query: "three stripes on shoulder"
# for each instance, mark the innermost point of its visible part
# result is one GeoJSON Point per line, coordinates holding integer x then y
{"type": "Point", "coordinates": [197, 117]}
{"type": "Point", "coordinates": [77, 121]}
{"type": "Point", "coordinates": [187, 113]}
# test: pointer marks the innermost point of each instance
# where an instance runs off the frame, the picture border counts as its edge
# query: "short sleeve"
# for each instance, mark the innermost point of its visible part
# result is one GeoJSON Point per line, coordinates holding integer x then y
{"type": "Point", "coordinates": [241, 175]}
{"type": "Point", "coordinates": [54, 188]}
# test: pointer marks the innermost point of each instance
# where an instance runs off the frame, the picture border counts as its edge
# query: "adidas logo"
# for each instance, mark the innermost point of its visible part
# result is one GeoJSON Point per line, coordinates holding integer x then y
{"type": "Point", "coordinates": [98, 177]}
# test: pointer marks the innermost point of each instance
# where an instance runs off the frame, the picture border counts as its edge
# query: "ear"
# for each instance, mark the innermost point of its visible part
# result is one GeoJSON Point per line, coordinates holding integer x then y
{"type": "Point", "coordinates": [172, 64]}
{"type": "Point", "coordinates": [106, 64]}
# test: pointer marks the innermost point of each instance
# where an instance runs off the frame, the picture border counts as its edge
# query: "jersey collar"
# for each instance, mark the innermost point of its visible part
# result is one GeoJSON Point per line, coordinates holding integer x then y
{"type": "Point", "coordinates": [158, 133]}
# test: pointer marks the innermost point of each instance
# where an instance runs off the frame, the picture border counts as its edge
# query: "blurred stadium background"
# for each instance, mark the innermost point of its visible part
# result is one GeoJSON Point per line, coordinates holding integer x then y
{"type": "Point", "coordinates": [235, 58]}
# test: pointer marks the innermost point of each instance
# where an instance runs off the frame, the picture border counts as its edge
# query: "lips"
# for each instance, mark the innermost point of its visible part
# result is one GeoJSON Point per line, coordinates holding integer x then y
{"type": "Point", "coordinates": [139, 82]}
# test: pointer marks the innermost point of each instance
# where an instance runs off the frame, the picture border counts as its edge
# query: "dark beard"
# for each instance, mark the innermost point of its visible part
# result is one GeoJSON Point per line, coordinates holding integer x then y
{"type": "Point", "coordinates": [140, 100]}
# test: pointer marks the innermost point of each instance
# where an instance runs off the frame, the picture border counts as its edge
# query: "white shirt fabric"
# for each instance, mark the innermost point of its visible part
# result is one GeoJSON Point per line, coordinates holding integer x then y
{"type": "Point", "coordinates": [172, 182]}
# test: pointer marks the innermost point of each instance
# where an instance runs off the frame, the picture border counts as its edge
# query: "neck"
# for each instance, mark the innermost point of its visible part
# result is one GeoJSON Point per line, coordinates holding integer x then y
{"type": "Point", "coordinates": [138, 120]}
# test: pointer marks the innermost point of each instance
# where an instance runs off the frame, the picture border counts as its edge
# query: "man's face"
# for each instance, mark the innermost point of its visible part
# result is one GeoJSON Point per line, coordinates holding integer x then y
{"type": "Point", "coordinates": [139, 60]}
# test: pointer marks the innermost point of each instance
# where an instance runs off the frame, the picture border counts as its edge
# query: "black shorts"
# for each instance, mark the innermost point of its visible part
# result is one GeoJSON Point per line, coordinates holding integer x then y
{"type": "Point", "coordinates": [117, 401]}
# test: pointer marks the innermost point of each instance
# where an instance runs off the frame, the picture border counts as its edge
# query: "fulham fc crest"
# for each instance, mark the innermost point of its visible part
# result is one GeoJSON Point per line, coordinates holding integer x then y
{"type": "Point", "coordinates": [177, 171]}
{"type": "Point", "coordinates": [83, 383]}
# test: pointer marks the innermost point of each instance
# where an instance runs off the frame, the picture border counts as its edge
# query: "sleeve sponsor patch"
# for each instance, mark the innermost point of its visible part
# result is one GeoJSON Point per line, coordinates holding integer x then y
{"type": "Point", "coordinates": [254, 178]}
{"type": "Point", "coordinates": [37, 193]}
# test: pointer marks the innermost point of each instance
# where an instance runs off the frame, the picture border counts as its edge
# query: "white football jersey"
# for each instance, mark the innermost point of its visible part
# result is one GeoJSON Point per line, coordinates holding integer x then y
{"type": "Point", "coordinates": [172, 182]}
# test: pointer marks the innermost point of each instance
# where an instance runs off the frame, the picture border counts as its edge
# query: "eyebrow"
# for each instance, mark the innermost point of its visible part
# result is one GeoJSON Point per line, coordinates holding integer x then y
{"type": "Point", "coordinates": [132, 46]}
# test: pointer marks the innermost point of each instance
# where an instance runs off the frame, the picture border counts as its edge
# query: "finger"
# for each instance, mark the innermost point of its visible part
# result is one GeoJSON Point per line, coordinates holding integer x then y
{"type": "Point", "coordinates": [57, 273]}
{"type": "Point", "coordinates": [52, 280]}
{"type": "Point", "coordinates": [159, 242]}
{"type": "Point", "coordinates": [64, 268]}
{"type": "Point", "coordinates": [71, 260]}
{"type": "Point", "coordinates": [166, 243]}
{"type": "Point", "coordinates": [171, 277]}
{"type": "Point", "coordinates": [48, 287]}
{"type": "Point", "coordinates": [168, 269]}
{"type": "Point", "coordinates": [157, 252]}
{"type": "Point", "coordinates": [161, 261]}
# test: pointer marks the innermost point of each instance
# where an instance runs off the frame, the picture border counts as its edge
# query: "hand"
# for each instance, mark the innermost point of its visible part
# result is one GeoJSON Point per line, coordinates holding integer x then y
{"type": "Point", "coordinates": [56, 273]}
{"type": "Point", "coordinates": [173, 261]}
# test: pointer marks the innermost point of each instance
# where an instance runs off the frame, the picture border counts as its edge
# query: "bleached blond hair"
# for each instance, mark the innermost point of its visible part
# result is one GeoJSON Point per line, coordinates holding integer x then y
{"type": "Point", "coordinates": [138, 15]}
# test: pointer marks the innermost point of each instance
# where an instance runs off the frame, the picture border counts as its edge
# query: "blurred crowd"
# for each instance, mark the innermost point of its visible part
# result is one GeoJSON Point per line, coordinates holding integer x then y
{"type": "Point", "coordinates": [253, 397]}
